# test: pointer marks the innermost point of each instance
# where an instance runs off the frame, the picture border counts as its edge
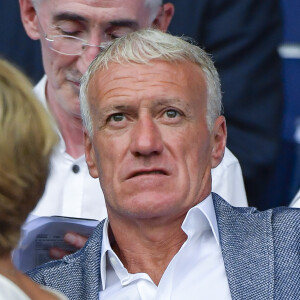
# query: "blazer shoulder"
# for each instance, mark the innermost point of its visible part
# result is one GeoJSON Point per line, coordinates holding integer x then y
{"type": "Point", "coordinates": [286, 219]}
{"type": "Point", "coordinates": [222, 205]}
{"type": "Point", "coordinates": [66, 275]}
{"type": "Point", "coordinates": [278, 213]}
{"type": "Point", "coordinates": [281, 222]}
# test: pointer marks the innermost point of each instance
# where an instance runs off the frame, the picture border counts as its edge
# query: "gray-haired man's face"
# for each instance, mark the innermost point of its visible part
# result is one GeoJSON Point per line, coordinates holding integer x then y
{"type": "Point", "coordinates": [151, 147]}
{"type": "Point", "coordinates": [95, 21]}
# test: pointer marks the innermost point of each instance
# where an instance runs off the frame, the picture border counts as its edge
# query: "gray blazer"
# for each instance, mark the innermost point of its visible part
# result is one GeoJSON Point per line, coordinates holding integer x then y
{"type": "Point", "coordinates": [261, 252]}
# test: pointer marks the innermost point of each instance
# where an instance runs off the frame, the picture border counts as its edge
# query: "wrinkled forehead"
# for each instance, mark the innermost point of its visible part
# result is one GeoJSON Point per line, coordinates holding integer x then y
{"type": "Point", "coordinates": [156, 80]}
{"type": "Point", "coordinates": [94, 12]}
{"type": "Point", "coordinates": [110, 67]}
{"type": "Point", "coordinates": [93, 3]}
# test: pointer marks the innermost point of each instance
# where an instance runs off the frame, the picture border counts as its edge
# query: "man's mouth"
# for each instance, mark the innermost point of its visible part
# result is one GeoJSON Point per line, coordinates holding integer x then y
{"type": "Point", "coordinates": [77, 83]}
{"type": "Point", "coordinates": [74, 79]}
{"type": "Point", "coordinates": [147, 172]}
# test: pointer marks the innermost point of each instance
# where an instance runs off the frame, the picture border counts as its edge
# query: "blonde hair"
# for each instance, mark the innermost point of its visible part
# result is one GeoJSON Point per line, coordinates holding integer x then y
{"type": "Point", "coordinates": [26, 143]}
{"type": "Point", "coordinates": [150, 44]}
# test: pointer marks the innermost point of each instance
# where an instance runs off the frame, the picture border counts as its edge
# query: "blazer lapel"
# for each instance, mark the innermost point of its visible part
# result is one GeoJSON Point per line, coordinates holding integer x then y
{"type": "Point", "coordinates": [91, 265]}
{"type": "Point", "coordinates": [247, 248]}
{"type": "Point", "coordinates": [79, 273]}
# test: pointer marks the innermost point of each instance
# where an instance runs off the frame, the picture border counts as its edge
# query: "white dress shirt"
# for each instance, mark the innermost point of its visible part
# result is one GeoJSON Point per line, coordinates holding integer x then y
{"type": "Point", "coordinates": [196, 272]}
{"type": "Point", "coordinates": [10, 291]}
{"type": "Point", "coordinates": [296, 201]}
{"type": "Point", "coordinates": [228, 182]}
{"type": "Point", "coordinates": [72, 192]}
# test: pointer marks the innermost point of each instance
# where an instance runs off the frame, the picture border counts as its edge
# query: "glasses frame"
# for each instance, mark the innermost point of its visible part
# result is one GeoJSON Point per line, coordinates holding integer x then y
{"type": "Point", "coordinates": [51, 38]}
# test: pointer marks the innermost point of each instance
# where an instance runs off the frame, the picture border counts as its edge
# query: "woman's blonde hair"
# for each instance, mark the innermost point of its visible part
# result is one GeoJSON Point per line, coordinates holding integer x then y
{"type": "Point", "coordinates": [27, 139]}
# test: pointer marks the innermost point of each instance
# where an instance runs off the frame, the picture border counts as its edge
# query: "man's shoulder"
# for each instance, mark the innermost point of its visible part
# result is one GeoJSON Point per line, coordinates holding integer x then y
{"type": "Point", "coordinates": [286, 217]}
{"type": "Point", "coordinates": [276, 229]}
{"type": "Point", "coordinates": [67, 274]}
{"type": "Point", "coordinates": [63, 275]}
{"type": "Point", "coordinates": [279, 217]}
{"type": "Point", "coordinates": [262, 245]}
{"type": "Point", "coordinates": [40, 273]}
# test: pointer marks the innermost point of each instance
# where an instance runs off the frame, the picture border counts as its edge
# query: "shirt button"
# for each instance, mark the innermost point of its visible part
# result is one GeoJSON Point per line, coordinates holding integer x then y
{"type": "Point", "coordinates": [75, 169]}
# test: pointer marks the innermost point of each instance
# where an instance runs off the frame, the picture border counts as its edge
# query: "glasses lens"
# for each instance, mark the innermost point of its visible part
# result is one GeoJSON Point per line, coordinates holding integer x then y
{"type": "Point", "coordinates": [66, 44]}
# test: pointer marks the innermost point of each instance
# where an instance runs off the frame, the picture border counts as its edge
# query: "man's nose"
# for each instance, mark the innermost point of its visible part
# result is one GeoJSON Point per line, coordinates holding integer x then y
{"type": "Point", "coordinates": [146, 139]}
{"type": "Point", "coordinates": [87, 57]}
{"type": "Point", "coordinates": [91, 50]}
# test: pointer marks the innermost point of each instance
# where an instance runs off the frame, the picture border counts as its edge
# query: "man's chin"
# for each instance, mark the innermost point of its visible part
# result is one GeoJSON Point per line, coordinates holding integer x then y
{"type": "Point", "coordinates": [144, 207]}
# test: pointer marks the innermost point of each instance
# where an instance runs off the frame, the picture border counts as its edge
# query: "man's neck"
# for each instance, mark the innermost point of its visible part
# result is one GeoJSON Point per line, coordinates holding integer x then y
{"type": "Point", "coordinates": [72, 133]}
{"type": "Point", "coordinates": [153, 247]}
{"type": "Point", "coordinates": [70, 127]}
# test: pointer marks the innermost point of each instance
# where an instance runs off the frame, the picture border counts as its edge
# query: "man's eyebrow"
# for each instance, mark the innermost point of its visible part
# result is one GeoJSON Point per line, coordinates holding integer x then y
{"type": "Point", "coordinates": [66, 16]}
{"type": "Point", "coordinates": [115, 108]}
{"type": "Point", "coordinates": [173, 101]}
{"type": "Point", "coordinates": [107, 111]}
{"type": "Point", "coordinates": [125, 23]}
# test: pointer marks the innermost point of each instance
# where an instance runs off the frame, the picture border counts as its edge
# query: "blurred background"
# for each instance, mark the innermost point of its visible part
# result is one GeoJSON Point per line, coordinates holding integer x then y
{"type": "Point", "coordinates": [255, 45]}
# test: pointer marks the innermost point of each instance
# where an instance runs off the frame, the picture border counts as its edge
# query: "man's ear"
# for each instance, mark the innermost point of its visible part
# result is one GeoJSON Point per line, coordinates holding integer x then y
{"type": "Point", "coordinates": [219, 137]}
{"type": "Point", "coordinates": [29, 19]}
{"type": "Point", "coordinates": [164, 17]}
{"type": "Point", "coordinates": [90, 156]}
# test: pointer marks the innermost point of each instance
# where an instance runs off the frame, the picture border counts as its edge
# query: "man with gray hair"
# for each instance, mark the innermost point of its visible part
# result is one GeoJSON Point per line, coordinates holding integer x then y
{"type": "Point", "coordinates": [71, 33]}
{"type": "Point", "coordinates": [151, 105]}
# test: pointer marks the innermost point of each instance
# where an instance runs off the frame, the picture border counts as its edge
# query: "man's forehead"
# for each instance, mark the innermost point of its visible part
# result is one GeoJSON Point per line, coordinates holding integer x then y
{"type": "Point", "coordinates": [178, 70]}
{"type": "Point", "coordinates": [94, 3]}
{"type": "Point", "coordinates": [97, 11]}
{"type": "Point", "coordinates": [182, 80]}
{"type": "Point", "coordinates": [104, 3]}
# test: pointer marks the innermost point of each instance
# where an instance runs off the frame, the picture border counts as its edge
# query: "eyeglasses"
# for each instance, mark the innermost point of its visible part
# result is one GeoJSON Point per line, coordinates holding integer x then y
{"type": "Point", "coordinates": [68, 44]}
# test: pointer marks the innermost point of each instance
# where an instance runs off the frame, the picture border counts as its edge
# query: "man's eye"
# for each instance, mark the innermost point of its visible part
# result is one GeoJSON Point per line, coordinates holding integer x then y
{"type": "Point", "coordinates": [72, 33]}
{"type": "Point", "coordinates": [117, 33]}
{"type": "Point", "coordinates": [67, 28]}
{"type": "Point", "coordinates": [115, 36]}
{"type": "Point", "coordinates": [171, 113]}
{"type": "Point", "coordinates": [116, 117]}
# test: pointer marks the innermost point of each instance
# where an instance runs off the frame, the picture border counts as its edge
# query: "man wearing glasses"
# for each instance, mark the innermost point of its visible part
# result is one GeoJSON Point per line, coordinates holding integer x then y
{"type": "Point", "coordinates": [71, 33]}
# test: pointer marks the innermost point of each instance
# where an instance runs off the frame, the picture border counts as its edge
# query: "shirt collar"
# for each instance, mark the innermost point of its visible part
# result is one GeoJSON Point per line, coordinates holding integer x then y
{"type": "Point", "coordinates": [199, 218]}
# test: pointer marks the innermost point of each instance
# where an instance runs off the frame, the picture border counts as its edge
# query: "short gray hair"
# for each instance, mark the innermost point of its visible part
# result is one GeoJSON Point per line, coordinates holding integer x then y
{"type": "Point", "coordinates": [144, 46]}
{"type": "Point", "coordinates": [152, 5]}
